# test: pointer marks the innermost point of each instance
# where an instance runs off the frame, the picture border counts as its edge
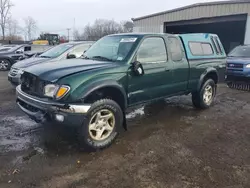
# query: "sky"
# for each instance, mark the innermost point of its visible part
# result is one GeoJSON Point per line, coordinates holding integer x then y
{"type": "Point", "coordinates": [58, 15]}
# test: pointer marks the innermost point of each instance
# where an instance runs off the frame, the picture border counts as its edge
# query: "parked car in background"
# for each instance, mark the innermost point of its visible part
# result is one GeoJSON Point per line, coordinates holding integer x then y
{"type": "Point", "coordinates": [63, 51]}
{"type": "Point", "coordinates": [35, 51]}
{"type": "Point", "coordinates": [93, 93]}
{"type": "Point", "coordinates": [238, 67]}
{"type": "Point", "coordinates": [9, 54]}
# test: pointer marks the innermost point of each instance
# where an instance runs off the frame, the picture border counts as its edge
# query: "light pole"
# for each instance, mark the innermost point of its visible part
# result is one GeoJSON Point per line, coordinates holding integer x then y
{"type": "Point", "coordinates": [68, 32]}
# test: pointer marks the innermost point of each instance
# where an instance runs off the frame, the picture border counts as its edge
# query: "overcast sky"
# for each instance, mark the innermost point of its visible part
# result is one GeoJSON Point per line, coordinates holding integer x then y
{"type": "Point", "coordinates": [57, 15]}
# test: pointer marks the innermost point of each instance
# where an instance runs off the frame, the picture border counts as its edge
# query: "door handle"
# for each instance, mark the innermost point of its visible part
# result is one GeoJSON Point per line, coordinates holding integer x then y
{"type": "Point", "coordinates": [167, 70]}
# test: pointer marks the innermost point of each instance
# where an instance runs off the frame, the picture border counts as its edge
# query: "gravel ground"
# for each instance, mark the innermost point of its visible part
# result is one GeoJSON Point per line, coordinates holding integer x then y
{"type": "Point", "coordinates": [169, 144]}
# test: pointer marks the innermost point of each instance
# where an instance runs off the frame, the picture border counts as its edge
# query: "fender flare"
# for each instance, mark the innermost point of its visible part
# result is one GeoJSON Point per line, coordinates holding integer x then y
{"type": "Point", "coordinates": [102, 84]}
{"type": "Point", "coordinates": [204, 74]}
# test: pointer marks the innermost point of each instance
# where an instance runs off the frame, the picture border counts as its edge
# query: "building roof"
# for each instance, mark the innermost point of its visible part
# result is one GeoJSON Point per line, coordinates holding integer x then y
{"type": "Point", "coordinates": [192, 6]}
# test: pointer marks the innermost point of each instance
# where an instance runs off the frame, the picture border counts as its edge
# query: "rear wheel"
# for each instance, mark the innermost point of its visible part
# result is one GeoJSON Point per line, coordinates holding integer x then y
{"type": "Point", "coordinates": [204, 98]}
{"type": "Point", "coordinates": [4, 65]}
{"type": "Point", "coordinates": [102, 125]}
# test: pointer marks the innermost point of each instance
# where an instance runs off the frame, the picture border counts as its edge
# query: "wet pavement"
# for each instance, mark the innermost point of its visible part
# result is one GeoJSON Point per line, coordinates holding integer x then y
{"type": "Point", "coordinates": [168, 144]}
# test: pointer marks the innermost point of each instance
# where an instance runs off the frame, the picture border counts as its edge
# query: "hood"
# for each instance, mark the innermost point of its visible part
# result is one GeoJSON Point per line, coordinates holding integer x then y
{"type": "Point", "coordinates": [52, 71]}
{"type": "Point", "coordinates": [28, 62]}
{"type": "Point", "coordinates": [238, 60]}
{"type": "Point", "coordinates": [6, 53]}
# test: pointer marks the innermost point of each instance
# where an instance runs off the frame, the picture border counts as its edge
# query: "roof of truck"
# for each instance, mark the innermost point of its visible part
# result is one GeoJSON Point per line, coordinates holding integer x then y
{"type": "Point", "coordinates": [138, 34]}
{"type": "Point", "coordinates": [164, 34]}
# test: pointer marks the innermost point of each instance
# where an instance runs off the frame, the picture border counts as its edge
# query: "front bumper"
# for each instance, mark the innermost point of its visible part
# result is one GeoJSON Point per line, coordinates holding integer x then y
{"type": "Point", "coordinates": [42, 110]}
{"type": "Point", "coordinates": [14, 80]}
{"type": "Point", "coordinates": [237, 78]}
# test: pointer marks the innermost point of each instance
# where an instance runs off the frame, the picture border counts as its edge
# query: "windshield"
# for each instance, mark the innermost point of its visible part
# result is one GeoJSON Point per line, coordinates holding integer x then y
{"type": "Point", "coordinates": [240, 51]}
{"type": "Point", "coordinates": [111, 48]}
{"type": "Point", "coordinates": [56, 51]}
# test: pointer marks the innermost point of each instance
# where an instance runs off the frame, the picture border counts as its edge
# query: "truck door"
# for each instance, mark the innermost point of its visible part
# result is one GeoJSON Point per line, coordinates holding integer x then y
{"type": "Point", "coordinates": [180, 63]}
{"type": "Point", "coordinates": [157, 76]}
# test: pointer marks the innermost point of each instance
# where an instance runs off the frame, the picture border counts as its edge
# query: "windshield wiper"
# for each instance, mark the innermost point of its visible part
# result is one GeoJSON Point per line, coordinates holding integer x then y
{"type": "Point", "coordinates": [84, 57]}
{"type": "Point", "coordinates": [102, 58]}
{"type": "Point", "coordinates": [42, 56]}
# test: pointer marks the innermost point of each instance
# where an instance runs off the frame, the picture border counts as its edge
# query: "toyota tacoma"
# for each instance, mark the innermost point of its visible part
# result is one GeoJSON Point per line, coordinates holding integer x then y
{"type": "Point", "coordinates": [119, 71]}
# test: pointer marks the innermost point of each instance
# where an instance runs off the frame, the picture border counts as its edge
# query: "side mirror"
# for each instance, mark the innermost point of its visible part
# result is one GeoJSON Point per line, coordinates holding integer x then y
{"type": "Point", "coordinates": [71, 56]}
{"type": "Point", "coordinates": [19, 52]}
{"type": "Point", "coordinates": [137, 68]}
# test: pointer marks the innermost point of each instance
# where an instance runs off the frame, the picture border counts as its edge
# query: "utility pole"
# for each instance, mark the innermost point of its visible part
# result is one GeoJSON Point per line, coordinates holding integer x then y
{"type": "Point", "coordinates": [68, 32]}
{"type": "Point", "coordinates": [74, 25]}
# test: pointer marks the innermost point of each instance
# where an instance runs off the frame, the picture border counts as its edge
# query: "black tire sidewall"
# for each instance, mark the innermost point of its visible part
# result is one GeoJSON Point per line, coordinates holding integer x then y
{"type": "Point", "coordinates": [85, 139]}
{"type": "Point", "coordinates": [207, 82]}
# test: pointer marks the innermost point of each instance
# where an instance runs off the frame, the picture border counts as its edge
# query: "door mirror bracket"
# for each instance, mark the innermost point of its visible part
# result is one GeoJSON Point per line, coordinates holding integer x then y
{"type": "Point", "coordinates": [137, 68]}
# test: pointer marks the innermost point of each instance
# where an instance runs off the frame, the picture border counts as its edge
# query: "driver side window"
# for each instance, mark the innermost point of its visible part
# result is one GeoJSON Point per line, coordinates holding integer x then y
{"type": "Point", "coordinates": [152, 50]}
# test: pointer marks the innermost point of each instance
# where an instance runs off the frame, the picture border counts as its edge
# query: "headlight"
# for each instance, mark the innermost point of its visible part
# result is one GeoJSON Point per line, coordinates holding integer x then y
{"type": "Point", "coordinates": [50, 90]}
{"type": "Point", "coordinates": [56, 91]}
{"type": "Point", "coordinates": [20, 71]}
{"type": "Point", "coordinates": [248, 66]}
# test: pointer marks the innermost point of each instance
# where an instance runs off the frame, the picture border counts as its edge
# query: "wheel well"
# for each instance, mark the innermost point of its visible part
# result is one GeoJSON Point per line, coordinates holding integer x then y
{"type": "Point", "coordinates": [211, 75]}
{"type": "Point", "coordinates": [108, 93]}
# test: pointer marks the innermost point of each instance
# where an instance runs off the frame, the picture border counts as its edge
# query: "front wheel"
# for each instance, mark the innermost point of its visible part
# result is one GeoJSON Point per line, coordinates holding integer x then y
{"type": "Point", "coordinates": [204, 98]}
{"type": "Point", "coordinates": [102, 125]}
{"type": "Point", "coordinates": [4, 65]}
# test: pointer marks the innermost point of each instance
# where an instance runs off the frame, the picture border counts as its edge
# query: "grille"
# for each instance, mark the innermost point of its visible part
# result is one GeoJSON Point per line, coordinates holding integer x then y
{"type": "Point", "coordinates": [235, 66]}
{"type": "Point", "coordinates": [32, 85]}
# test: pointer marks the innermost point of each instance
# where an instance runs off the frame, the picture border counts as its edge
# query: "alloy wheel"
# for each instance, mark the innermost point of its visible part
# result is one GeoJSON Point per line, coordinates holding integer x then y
{"type": "Point", "coordinates": [208, 94]}
{"type": "Point", "coordinates": [101, 125]}
{"type": "Point", "coordinates": [4, 65]}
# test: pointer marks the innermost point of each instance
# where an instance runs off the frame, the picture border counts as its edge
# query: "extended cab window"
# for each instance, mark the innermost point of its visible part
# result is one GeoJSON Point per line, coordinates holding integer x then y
{"type": "Point", "coordinates": [175, 49]}
{"type": "Point", "coordinates": [201, 49]}
{"type": "Point", "coordinates": [152, 50]}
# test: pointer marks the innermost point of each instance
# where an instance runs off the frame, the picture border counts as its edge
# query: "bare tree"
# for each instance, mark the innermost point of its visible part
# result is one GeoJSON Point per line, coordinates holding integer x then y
{"type": "Point", "coordinates": [127, 26]}
{"type": "Point", "coordinates": [77, 35]}
{"type": "Point", "coordinates": [30, 27]}
{"type": "Point", "coordinates": [5, 6]}
{"type": "Point", "coordinates": [13, 29]}
{"type": "Point", "coordinates": [101, 28]}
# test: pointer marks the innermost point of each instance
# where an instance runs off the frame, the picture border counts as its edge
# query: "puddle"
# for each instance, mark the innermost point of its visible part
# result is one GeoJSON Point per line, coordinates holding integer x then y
{"type": "Point", "coordinates": [16, 133]}
{"type": "Point", "coordinates": [20, 133]}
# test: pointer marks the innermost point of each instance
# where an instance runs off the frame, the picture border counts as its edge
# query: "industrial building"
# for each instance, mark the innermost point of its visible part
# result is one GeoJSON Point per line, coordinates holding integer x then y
{"type": "Point", "coordinates": [228, 19]}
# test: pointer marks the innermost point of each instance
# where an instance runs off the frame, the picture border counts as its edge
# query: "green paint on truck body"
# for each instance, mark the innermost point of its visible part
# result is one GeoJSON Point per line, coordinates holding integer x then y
{"type": "Point", "coordinates": [160, 79]}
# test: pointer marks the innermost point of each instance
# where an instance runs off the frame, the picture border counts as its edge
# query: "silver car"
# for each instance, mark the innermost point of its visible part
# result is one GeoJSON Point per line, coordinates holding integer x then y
{"type": "Point", "coordinates": [63, 51]}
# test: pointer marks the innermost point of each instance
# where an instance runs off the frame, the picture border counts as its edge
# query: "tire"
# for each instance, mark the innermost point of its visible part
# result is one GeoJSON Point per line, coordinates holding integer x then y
{"type": "Point", "coordinates": [201, 98]}
{"type": "Point", "coordinates": [4, 65]}
{"type": "Point", "coordinates": [88, 136]}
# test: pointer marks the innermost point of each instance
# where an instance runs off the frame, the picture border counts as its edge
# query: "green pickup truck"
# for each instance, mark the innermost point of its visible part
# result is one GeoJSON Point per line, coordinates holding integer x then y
{"type": "Point", "coordinates": [119, 71]}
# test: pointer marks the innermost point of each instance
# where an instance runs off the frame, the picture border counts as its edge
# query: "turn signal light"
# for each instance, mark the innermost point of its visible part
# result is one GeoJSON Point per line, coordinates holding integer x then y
{"type": "Point", "coordinates": [62, 91]}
